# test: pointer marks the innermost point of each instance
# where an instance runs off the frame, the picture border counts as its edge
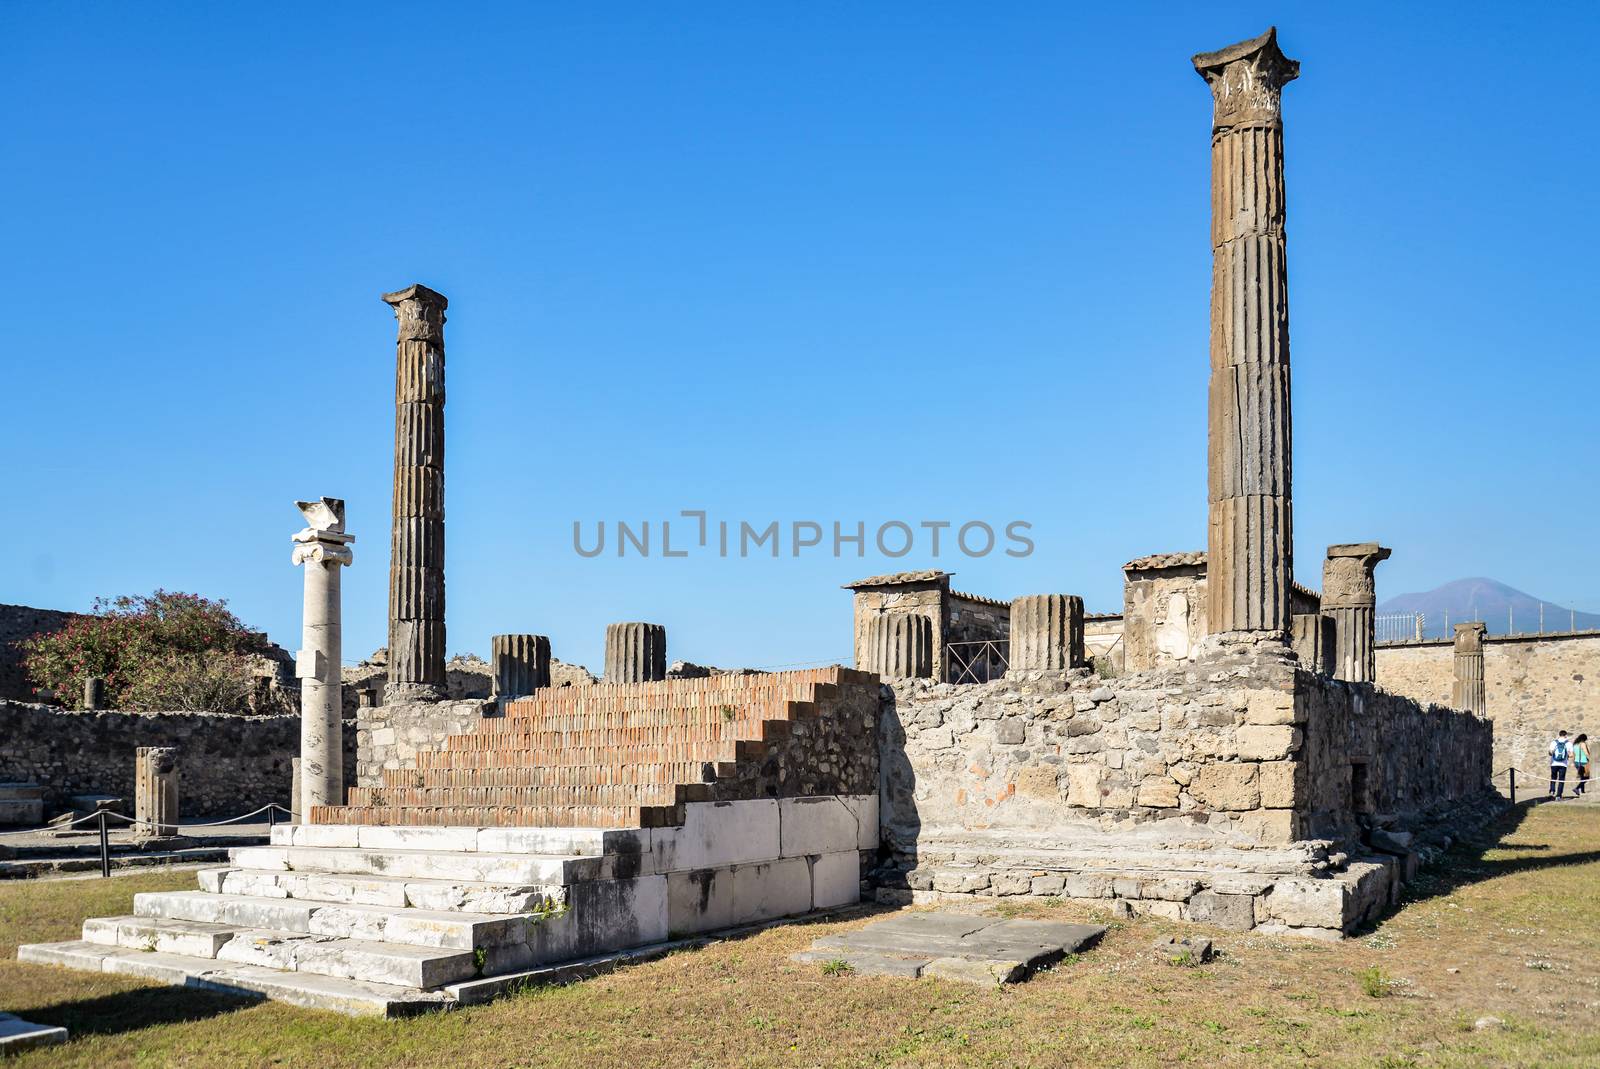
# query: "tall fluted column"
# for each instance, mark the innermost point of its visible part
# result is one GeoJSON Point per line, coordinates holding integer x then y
{"type": "Point", "coordinates": [1467, 690]}
{"type": "Point", "coordinates": [323, 548]}
{"type": "Point", "coordinates": [416, 549]}
{"type": "Point", "coordinates": [636, 653]}
{"type": "Point", "coordinates": [1350, 600]}
{"type": "Point", "coordinates": [1250, 548]}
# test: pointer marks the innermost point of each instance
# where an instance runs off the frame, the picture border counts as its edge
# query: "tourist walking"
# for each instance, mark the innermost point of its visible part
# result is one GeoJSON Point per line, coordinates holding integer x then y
{"type": "Point", "coordinates": [1580, 763]}
{"type": "Point", "coordinates": [1560, 754]}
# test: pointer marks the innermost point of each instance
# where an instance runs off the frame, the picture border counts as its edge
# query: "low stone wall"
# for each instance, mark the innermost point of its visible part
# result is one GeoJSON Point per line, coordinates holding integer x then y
{"type": "Point", "coordinates": [1535, 685]}
{"type": "Point", "coordinates": [228, 764]}
{"type": "Point", "coordinates": [389, 736]}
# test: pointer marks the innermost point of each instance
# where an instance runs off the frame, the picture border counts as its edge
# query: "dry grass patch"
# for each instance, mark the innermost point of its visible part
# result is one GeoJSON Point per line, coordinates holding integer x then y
{"type": "Point", "coordinates": [1511, 933]}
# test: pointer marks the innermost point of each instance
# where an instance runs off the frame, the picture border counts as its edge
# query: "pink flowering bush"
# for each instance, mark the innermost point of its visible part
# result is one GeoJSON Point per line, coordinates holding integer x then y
{"type": "Point", "coordinates": [165, 650]}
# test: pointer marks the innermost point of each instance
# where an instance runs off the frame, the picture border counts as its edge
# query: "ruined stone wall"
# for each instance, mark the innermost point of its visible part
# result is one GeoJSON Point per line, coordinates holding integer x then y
{"type": "Point", "coordinates": [1164, 617]}
{"type": "Point", "coordinates": [389, 736]}
{"type": "Point", "coordinates": [1536, 685]}
{"type": "Point", "coordinates": [970, 618]}
{"type": "Point", "coordinates": [18, 622]}
{"type": "Point", "coordinates": [1048, 751]}
{"type": "Point", "coordinates": [1370, 753]}
{"type": "Point", "coordinates": [227, 764]}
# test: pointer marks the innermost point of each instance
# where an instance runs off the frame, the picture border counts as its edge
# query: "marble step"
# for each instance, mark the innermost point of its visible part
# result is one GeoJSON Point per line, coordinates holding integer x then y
{"type": "Point", "coordinates": [311, 990]}
{"type": "Point", "coordinates": [501, 816]}
{"type": "Point", "coordinates": [553, 842]}
{"type": "Point", "coordinates": [472, 896]}
{"type": "Point", "coordinates": [451, 930]}
{"type": "Point", "coordinates": [518, 870]}
{"type": "Point", "coordinates": [403, 965]}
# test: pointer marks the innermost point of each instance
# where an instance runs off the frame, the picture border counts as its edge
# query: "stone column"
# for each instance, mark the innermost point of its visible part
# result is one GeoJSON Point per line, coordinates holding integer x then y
{"type": "Point", "coordinates": [323, 548]}
{"type": "Point", "coordinates": [1314, 642]}
{"type": "Point", "coordinates": [1046, 633]}
{"type": "Point", "coordinates": [900, 646]}
{"type": "Point", "coordinates": [416, 548]}
{"type": "Point", "coordinates": [635, 653]}
{"type": "Point", "coordinates": [94, 693]}
{"type": "Point", "coordinates": [1250, 546]}
{"type": "Point", "coordinates": [295, 791]}
{"type": "Point", "coordinates": [1350, 599]}
{"type": "Point", "coordinates": [522, 664]}
{"type": "Point", "coordinates": [155, 791]}
{"type": "Point", "coordinates": [1467, 690]}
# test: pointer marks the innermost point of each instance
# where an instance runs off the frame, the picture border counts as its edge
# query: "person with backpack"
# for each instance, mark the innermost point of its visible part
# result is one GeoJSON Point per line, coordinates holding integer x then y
{"type": "Point", "coordinates": [1560, 754]}
{"type": "Point", "coordinates": [1580, 761]}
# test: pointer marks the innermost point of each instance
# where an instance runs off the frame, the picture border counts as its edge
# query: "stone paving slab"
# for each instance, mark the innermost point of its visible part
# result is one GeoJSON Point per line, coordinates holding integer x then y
{"type": "Point", "coordinates": [953, 946]}
{"type": "Point", "coordinates": [17, 1035]}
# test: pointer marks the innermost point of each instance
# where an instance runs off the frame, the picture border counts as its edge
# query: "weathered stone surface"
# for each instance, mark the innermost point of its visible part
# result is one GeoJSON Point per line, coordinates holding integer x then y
{"type": "Point", "coordinates": [155, 786]}
{"type": "Point", "coordinates": [1315, 641]}
{"type": "Point", "coordinates": [1467, 692]}
{"type": "Point", "coordinates": [17, 1035]}
{"type": "Point", "coordinates": [635, 652]}
{"type": "Point", "coordinates": [323, 548]}
{"type": "Point", "coordinates": [1250, 546]}
{"type": "Point", "coordinates": [900, 646]}
{"type": "Point", "coordinates": [1227, 786]}
{"type": "Point", "coordinates": [1235, 911]}
{"type": "Point", "coordinates": [1349, 598]}
{"type": "Point", "coordinates": [961, 947]}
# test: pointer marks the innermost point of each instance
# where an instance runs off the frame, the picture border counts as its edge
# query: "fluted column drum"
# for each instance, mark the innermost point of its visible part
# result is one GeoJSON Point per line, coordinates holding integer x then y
{"type": "Point", "coordinates": [900, 646]}
{"type": "Point", "coordinates": [1467, 691]}
{"type": "Point", "coordinates": [155, 791]}
{"type": "Point", "coordinates": [1046, 632]}
{"type": "Point", "coordinates": [521, 664]}
{"type": "Point", "coordinates": [635, 653]}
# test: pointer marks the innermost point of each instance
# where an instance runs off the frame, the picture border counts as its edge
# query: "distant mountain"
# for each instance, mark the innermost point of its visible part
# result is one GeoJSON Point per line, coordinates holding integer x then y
{"type": "Point", "coordinates": [1499, 606]}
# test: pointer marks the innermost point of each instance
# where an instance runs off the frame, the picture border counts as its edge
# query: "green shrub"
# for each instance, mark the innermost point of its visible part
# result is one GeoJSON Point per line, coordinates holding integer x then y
{"type": "Point", "coordinates": [166, 650]}
{"type": "Point", "coordinates": [1376, 983]}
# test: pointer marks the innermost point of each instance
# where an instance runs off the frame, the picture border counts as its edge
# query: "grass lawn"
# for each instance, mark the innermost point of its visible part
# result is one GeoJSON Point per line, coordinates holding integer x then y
{"type": "Point", "coordinates": [1510, 931]}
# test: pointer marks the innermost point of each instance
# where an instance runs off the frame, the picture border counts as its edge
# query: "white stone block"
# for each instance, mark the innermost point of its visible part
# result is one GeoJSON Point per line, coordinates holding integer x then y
{"type": "Point", "coordinates": [835, 880]}
{"type": "Point", "coordinates": [820, 825]}
{"type": "Point", "coordinates": [281, 835]}
{"type": "Point", "coordinates": [266, 858]}
{"type": "Point", "coordinates": [603, 915]}
{"type": "Point", "coordinates": [715, 834]}
{"type": "Point", "coordinates": [376, 837]}
{"type": "Point", "coordinates": [865, 807]}
{"type": "Point", "coordinates": [770, 890]}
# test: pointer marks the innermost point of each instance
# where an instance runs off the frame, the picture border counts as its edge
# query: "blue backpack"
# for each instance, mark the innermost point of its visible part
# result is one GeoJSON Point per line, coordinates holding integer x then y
{"type": "Point", "coordinates": [1558, 756]}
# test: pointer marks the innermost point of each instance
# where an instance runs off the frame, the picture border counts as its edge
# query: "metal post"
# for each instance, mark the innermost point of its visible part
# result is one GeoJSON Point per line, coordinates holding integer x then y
{"type": "Point", "coordinates": [1541, 617]}
{"type": "Point", "coordinates": [105, 844]}
{"type": "Point", "coordinates": [1509, 625]}
{"type": "Point", "coordinates": [1513, 786]}
{"type": "Point", "coordinates": [272, 813]}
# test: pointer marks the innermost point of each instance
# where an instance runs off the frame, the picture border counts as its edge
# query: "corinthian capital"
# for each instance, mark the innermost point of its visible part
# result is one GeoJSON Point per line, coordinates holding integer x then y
{"type": "Point", "coordinates": [420, 312]}
{"type": "Point", "coordinates": [1347, 574]}
{"type": "Point", "coordinates": [1247, 80]}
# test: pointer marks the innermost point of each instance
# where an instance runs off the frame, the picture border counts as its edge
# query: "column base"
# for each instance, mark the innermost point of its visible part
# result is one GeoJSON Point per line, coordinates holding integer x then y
{"type": "Point", "coordinates": [397, 693]}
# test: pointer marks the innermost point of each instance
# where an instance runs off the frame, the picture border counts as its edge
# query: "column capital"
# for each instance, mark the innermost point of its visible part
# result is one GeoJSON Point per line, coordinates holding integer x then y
{"type": "Point", "coordinates": [420, 311]}
{"type": "Point", "coordinates": [1347, 574]}
{"type": "Point", "coordinates": [323, 541]}
{"type": "Point", "coordinates": [1469, 636]}
{"type": "Point", "coordinates": [1247, 80]}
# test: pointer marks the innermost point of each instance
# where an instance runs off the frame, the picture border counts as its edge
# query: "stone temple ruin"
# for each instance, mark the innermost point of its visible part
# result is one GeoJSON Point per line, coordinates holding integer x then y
{"type": "Point", "coordinates": [1227, 760]}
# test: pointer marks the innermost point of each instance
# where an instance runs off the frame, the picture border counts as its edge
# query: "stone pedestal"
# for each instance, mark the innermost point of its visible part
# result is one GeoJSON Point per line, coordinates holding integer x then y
{"type": "Point", "coordinates": [1314, 642]}
{"type": "Point", "coordinates": [323, 548]}
{"type": "Point", "coordinates": [155, 791]}
{"type": "Point", "coordinates": [521, 664]}
{"type": "Point", "coordinates": [295, 791]}
{"type": "Point", "coordinates": [900, 646]}
{"type": "Point", "coordinates": [94, 693]}
{"type": "Point", "coordinates": [635, 653]}
{"type": "Point", "coordinates": [1249, 547]}
{"type": "Point", "coordinates": [1046, 632]}
{"type": "Point", "coordinates": [1466, 692]}
{"type": "Point", "coordinates": [416, 548]}
{"type": "Point", "coordinates": [1350, 600]}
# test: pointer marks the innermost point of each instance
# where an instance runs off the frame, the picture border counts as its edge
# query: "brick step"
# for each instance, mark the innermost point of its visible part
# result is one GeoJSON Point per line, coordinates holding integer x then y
{"type": "Point", "coordinates": [526, 757]}
{"type": "Point", "coordinates": [629, 794]}
{"type": "Point", "coordinates": [501, 816]}
{"type": "Point", "coordinates": [397, 892]}
{"type": "Point", "coordinates": [403, 965]}
{"type": "Point", "coordinates": [498, 733]}
{"type": "Point", "coordinates": [309, 990]}
{"type": "Point", "coordinates": [725, 716]}
{"type": "Point", "coordinates": [449, 930]}
{"type": "Point", "coordinates": [534, 774]}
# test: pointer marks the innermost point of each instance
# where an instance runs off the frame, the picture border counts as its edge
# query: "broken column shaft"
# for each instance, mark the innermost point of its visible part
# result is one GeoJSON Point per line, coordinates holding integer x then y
{"type": "Point", "coordinates": [1467, 691]}
{"type": "Point", "coordinates": [1046, 633]}
{"type": "Point", "coordinates": [900, 646]}
{"type": "Point", "coordinates": [323, 548]}
{"type": "Point", "coordinates": [1249, 559]}
{"type": "Point", "coordinates": [521, 664]}
{"type": "Point", "coordinates": [635, 653]}
{"type": "Point", "coordinates": [1350, 600]}
{"type": "Point", "coordinates": [155, 791]}
{"type": "Point", "coordinates": [416, 549]}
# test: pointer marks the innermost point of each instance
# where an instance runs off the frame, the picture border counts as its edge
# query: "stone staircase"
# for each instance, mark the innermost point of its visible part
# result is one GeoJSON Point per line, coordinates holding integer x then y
{"type": "Point", "coordinates": [584, 823]}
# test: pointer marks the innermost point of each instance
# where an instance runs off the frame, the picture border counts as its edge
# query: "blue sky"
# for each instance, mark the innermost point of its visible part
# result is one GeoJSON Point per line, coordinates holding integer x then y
{"type": "Point", "coordinates": [828, 262]}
